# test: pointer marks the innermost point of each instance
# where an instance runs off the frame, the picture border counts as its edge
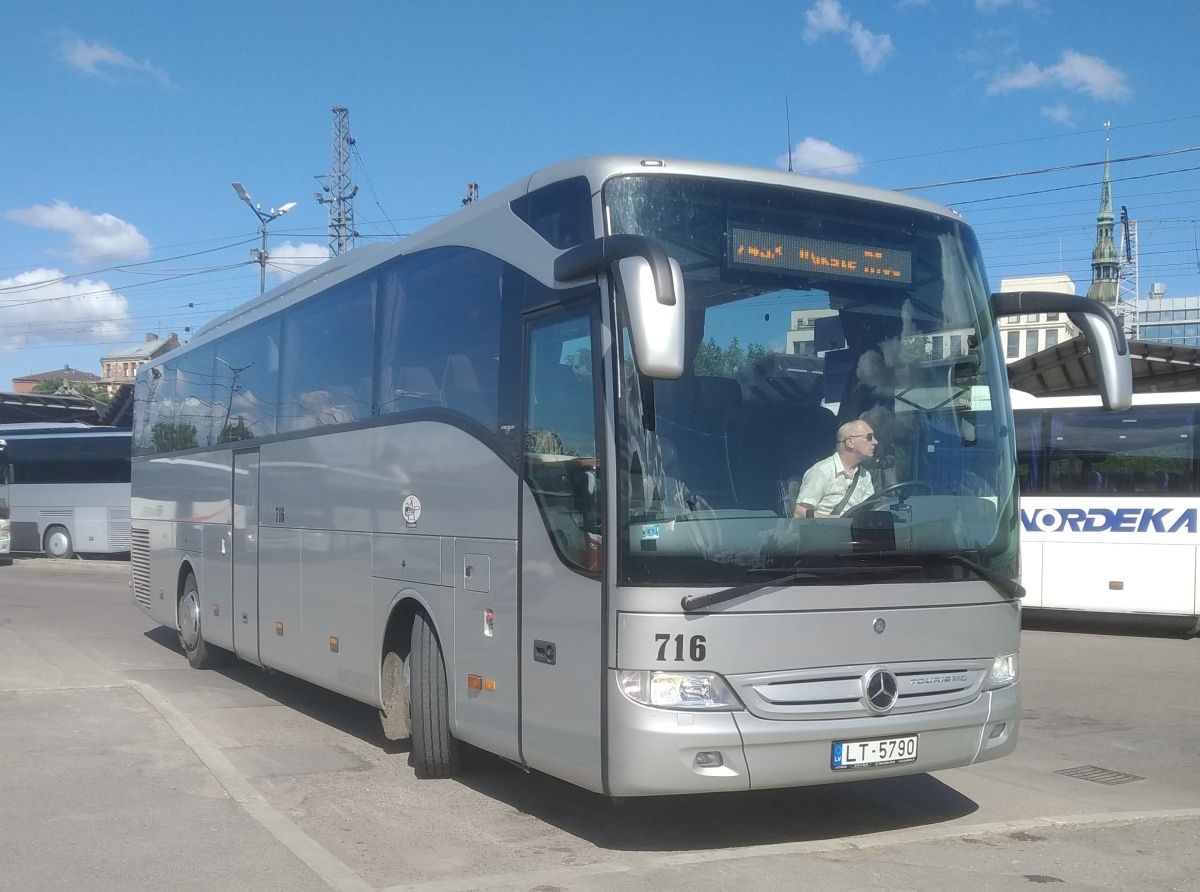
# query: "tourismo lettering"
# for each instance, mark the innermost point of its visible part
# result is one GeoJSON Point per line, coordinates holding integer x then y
{"type": "Point", "coordinates": [1106, 520]}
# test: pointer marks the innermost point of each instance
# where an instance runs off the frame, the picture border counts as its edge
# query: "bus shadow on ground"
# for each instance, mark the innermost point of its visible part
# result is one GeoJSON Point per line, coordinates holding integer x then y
{"type": "Point", "coordinates": [329, 708]}
{"type": "Point", "coordinates": [726, 820]}
{"type": "Point", "coordinates": [1124, 625]}
{"type": "Point", "coordinates": [639, 824]}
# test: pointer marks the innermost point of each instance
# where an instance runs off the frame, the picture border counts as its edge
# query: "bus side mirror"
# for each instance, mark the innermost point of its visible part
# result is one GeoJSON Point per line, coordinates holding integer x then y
{"type": "Point", "coordinates": [656, 328]}
{"type": "Point", "coordinates": [1106, 340]}
{"type": "Point", "coordinates": [651, 286]}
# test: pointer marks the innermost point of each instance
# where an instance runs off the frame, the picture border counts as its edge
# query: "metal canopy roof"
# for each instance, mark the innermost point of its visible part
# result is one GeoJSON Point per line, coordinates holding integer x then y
{"type": "Point", "coordinates": [1066, 369]}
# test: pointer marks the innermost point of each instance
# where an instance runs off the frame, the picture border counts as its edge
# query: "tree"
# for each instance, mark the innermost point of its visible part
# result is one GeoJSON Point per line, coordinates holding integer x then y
{"type": "Point", "coordinates": [710, 360]}
{"type": "Point", "coordinates": [170, 437]}
{"type": "Point", "coordinates": [735, 358]}
{"type": "Point", "coordinates": [61, 385]}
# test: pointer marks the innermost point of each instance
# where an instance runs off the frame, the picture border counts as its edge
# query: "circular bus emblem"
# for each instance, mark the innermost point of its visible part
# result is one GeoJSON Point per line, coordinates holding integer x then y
{"type": "Point", "coordinates": [880, 690]}
{"type": "Point", "coordinates": [411, 510]}
{"type": "Point", "coordinates": [879, 625]}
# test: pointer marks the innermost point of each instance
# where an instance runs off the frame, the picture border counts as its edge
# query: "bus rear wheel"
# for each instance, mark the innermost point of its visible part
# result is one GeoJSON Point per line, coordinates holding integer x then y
{"type": "Point", "coordinates": [200, 654]}
{"type": "Point", "coordinates": [57, 543]}
{"type": "Point", "coordinates": [435, 751]}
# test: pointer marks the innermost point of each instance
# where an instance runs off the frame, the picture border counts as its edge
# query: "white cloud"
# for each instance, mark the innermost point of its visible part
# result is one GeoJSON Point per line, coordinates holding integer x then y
{"type": "Point", "coordinates": [1059, 113]}
{"type": "Point", "coordinates": [872, 49]}
{"type": "Point", "coordinates": [105, 62]}
{"type": "Point", "coordinates": [43, 306]}
{"type": "Point", "coordinates": [827, 17]}
{"type": "Point", "coordinates": [288, 260]}
{"type": "Point", "coordinates": [1084, 74]}
{"type": "Point", "coordinates": [93, 236]}
{"type": "Point", "coordinates": [816, 156]}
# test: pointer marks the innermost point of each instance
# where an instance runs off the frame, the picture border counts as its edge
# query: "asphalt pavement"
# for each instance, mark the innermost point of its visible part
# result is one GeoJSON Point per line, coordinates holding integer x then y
{"type": "Point", "coordinates": [123, 769]}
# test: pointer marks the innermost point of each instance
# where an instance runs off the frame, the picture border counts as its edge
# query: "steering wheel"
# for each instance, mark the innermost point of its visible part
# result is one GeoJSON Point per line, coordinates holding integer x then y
{"type": "Point", "coordinates": [917, 486]}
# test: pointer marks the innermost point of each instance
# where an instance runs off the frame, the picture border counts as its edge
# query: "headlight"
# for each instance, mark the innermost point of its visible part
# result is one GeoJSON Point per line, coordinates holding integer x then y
{"type": "Point", "coordinates": [677, 690]}
{"type": "Point", "coordinates": [1005, 669]}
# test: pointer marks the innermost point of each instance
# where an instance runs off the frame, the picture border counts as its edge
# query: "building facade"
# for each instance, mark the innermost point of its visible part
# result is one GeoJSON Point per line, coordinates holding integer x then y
{"type": "Point", "coordinates": [26, 383]}
{"type": "Point", "coordinates": [120, 365]}
{"type": "Point", "coordinates": [1022, 336]}
{"type": "Point", "coordinates": [1171, 320]}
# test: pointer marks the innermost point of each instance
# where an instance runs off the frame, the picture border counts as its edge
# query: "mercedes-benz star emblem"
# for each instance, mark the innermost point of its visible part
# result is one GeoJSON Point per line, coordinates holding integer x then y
{"type": "Point", "coordinates": [881, 690]}
{"type": "Point", "coordinates": [879, 625]}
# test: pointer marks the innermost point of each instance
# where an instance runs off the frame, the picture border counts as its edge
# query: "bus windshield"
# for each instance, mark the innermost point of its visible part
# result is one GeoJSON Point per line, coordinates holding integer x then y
{"type": "Point", "coordinates": [806, 311]}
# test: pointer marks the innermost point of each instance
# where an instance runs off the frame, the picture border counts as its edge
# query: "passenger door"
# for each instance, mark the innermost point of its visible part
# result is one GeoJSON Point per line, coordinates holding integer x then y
{"type": "Point", "coordinates": [245, 555]}
{"type": "Point", "coordinates": [561, 657]}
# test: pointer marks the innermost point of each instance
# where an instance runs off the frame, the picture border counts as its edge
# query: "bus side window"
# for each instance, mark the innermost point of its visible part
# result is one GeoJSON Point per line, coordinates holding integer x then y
{"type": "Point", "coordinates": [562, 467]}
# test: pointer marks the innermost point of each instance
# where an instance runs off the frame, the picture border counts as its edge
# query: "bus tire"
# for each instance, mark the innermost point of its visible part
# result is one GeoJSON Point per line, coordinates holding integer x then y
{"type": "Point", "coordinates": [435, 750]}
{"type": "Point", "coordinates": [57, 543]}
{"type": "Point", "coordinates": [200, 654]}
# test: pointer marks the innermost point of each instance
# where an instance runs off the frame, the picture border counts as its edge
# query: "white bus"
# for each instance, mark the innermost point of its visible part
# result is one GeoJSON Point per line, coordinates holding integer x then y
{"type": "Point", "coordinates": [5, 521]}
{"type": "Point", "coordinates": [523, 480]}
{"type": "Point", "coordinates": [1109, 504]}
{"type": "Point", "coordinates": [68, 488]}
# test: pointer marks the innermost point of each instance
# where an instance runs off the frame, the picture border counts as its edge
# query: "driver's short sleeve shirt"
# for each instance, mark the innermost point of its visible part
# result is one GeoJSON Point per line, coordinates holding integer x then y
{"type": "Point", "coordinates": [825, 484]}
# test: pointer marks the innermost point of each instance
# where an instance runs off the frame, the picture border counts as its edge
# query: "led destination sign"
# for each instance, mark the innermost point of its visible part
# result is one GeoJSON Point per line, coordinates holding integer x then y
{"type": "Point", "coordinates": [756, 249]}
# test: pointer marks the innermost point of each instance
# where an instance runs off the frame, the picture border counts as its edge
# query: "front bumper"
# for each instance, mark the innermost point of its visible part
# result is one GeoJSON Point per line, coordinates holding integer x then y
{"type": "Point", "coordinates": [653, 751]}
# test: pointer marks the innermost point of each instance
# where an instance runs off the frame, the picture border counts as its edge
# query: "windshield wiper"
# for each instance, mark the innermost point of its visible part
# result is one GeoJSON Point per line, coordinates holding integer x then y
{"type": "Point", "coordinates": [1010, 588]}
{"type": "Point", "coordinates": [696, 602]}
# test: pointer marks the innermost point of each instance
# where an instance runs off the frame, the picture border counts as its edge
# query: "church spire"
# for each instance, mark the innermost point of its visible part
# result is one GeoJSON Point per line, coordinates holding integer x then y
{"type": "Point", "coordinates": [1105, 262]}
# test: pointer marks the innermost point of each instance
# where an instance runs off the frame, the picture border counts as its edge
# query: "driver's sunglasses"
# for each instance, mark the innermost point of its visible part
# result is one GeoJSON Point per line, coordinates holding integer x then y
{"type": "Point", "coordinates": [868, 436]}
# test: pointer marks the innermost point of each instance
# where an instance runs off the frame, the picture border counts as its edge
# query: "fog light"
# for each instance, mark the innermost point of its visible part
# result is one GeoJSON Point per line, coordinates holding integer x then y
{"type": "Point", "coordinates": [997, 730]}
{"type": "Point", "coordinates": [710, 759]}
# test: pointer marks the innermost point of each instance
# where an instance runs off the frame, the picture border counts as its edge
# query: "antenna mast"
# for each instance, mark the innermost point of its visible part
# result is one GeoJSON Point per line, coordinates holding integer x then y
{"type": "Point", "coordinates": [788, 111]}
{"type": "Point", "coordinates": [339, 189]}
{"type": "Point", "coordinates": [1129, 287]}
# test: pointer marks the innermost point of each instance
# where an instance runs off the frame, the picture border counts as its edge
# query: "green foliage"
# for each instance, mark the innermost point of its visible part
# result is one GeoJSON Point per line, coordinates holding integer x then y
{"type": "Point", "coordinates": [170, 437]}
{"type": "Point", "coordinates": [232, 432]}
{"type": "Point", "coordinates": [76, 388]}
{"type": "Point", "coordinates": [712, 361]}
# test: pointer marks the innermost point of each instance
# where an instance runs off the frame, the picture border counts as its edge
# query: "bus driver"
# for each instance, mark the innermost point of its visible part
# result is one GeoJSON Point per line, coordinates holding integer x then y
{"type": "Point", "coordinates": [840, 481]}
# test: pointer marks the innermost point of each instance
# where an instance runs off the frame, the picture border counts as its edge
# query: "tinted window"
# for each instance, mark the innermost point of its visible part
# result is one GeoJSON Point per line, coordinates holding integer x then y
{"type": "Point", "coordinates": [193, 399]}
{"type": "Point", "coordinates": [154, 411]}
{"type": "Point", "coordinates": [562, 467]}
{"type": "Point", "coordinates": [561, 213]}
{"type": "Point", "coordinates": [246, 383]}
{"type": "Point", "coordinates": [441, 334]}
{"type": "Point", "coordinates": [1148, 449]}
{"type": "Point", "coordinates": [86, 458]}
{"type": "Point", "coordinates": [326, 369]}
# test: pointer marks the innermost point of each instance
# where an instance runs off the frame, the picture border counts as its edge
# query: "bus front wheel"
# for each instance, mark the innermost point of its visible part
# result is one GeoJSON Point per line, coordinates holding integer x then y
{"type": "Point", "coordinates": [200, 654]}
{"type": "Point", "coordinates": [57, 543]}
{"type": "Point", "coordinates": [434, 748]}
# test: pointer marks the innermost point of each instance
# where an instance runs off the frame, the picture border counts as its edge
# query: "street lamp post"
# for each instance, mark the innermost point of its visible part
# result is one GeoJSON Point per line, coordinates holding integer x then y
{"type": "Point", "coordinates": [264, 217]}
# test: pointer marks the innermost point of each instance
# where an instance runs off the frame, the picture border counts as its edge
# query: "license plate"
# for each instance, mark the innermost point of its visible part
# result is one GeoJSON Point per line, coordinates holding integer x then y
{"type": "Point", "coordinates": [872, 753]}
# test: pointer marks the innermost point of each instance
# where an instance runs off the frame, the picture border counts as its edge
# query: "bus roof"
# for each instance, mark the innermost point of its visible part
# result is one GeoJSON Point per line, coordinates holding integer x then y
{"type": "Point", "coordinates": [60, 429]}
{"type": "Point", "coordinates": [475, 225]}
{"type": "Point", "coordinates": [1022, 400]}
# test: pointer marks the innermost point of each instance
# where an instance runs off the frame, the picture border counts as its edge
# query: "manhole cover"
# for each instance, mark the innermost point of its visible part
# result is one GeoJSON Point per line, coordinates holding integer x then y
{"type": "Point", "coordinates": [1099, 775]}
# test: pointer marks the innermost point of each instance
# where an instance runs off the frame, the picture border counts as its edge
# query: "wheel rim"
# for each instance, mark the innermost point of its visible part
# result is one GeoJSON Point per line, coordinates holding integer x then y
{"type": "Point", "coordinates": [189, 619]}
{"type": "Point", "coordinates": [57, 543]}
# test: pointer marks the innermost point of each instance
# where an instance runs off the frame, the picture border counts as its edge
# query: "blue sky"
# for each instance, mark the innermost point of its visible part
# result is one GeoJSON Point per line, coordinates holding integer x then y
{"type": "Point", "coordinates": [125, 123]}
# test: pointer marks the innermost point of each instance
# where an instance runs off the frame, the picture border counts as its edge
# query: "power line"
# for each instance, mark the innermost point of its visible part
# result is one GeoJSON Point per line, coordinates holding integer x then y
{"type": "Point", "coordinates": [1060, 169]}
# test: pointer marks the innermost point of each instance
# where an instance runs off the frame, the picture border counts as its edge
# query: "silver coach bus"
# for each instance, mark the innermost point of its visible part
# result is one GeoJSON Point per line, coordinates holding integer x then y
{"type": "Point", "coordinates": [525, 480]}
{"type": "Point", "coordinates": [67, 488]}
